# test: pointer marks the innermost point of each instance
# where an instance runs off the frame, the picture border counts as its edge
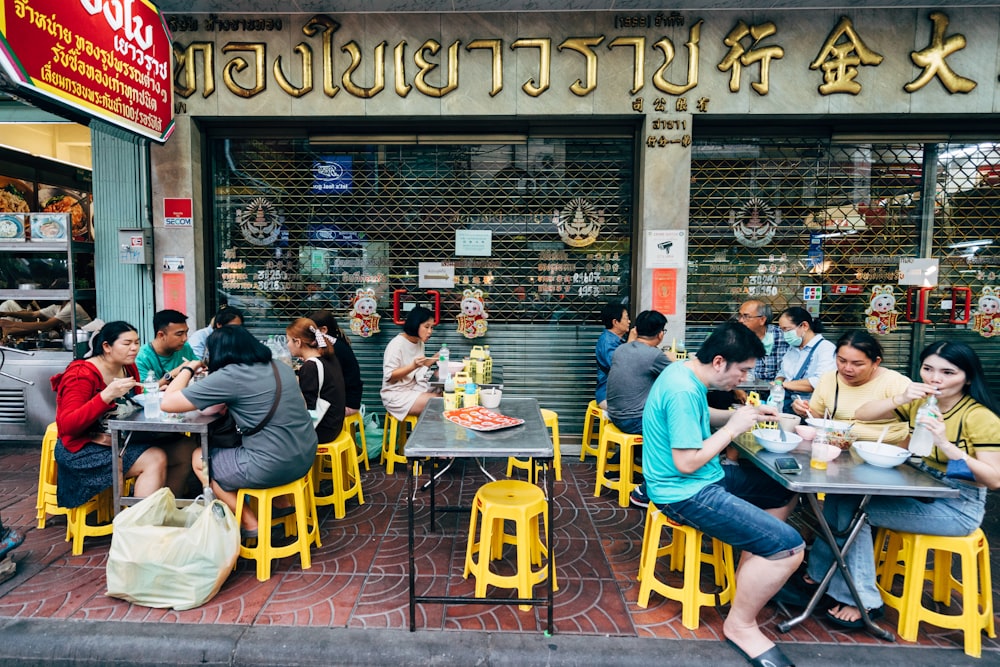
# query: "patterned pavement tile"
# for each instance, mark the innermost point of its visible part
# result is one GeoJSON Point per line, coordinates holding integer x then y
{"type": "Point", "coordinates": [432, 554]}
{"type": "Point", "coordinates": [345, 552]}
{"type": "Point", "coordinates": [312, 600]}
{"type": "Point", "coordinates": [359, 577]}
{"type": "Point", "coordinates": [57, 592]}
{"type": "Point", "coordinates": [384, 603]}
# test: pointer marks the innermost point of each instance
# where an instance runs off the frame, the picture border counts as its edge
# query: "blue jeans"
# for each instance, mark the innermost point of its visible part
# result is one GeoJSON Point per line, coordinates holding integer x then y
{"type": "Point", "coordinates": [632, 426]}
{"type": "Point", "coordinates": [952, 517]}
{"type": "Point", "coordinates": [732, 510]}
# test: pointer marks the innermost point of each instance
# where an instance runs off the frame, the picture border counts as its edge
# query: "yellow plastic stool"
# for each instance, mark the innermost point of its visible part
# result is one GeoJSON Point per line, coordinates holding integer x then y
{"type": "Point", "coordinates": [627, 442]}
{"type": "Point", "coordinates": [587, 446]}
{"type": "Point", "coordinates": [337, 461]}
{"type": "Point", "coordinates": [48, 484]}
{"type": "Point", "coordinates": [356, 429]}
{"type": "Point", "coordinates": [551, 419]}
{"type": "Point", "coordinates": [305, 526]}
{"type": "Point", "coordinates": [394, 441]}
{"type": "Point", "coordinates": [685, 555]}
{"type": "Point", "coordinates": [77, 527]}
{"type": "Point", "coordinates": [906, 554]}
{"type": "Point", "coordinates": [519, 502]}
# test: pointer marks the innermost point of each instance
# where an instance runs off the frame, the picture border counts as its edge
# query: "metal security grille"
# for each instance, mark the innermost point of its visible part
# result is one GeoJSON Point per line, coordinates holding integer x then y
{"type": "Point", "coordinates": [301, 225]}
{"type": "Point", "coordinates": [772, 217]}
{"type": "Point", "coordinates": [966, 212]}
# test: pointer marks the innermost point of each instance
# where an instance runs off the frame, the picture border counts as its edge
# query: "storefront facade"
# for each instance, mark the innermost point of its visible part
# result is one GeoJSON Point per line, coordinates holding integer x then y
{"type": "Point", "coordinates": [519, 170]}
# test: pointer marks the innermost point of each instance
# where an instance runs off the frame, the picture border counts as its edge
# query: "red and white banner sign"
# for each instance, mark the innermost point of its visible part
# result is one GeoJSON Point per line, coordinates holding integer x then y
{"type": "Point", "coordinates": [110, 59]}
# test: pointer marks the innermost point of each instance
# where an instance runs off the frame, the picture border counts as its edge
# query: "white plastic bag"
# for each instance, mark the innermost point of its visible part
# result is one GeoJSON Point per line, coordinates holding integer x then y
{"type": "Point", "coordinates": [165, 556]}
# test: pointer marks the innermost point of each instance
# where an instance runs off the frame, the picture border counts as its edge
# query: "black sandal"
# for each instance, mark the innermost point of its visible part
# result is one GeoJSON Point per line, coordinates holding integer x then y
{"type": "Point", "coordinates": [772, 657]}
{"type": "Point", "coordinates": [874, 614]}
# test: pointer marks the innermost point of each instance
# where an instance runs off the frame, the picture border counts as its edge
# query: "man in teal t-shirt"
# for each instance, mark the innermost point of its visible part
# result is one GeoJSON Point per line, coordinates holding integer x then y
{"type": "Point", "coordinates": [168, 351]}
{"type": "Point", "coordinates": [739, 505]}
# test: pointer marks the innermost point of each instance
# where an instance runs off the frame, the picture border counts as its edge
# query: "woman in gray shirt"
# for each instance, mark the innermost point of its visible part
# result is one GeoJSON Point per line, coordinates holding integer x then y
{"type": "Point", "coordinates": [242, 377]}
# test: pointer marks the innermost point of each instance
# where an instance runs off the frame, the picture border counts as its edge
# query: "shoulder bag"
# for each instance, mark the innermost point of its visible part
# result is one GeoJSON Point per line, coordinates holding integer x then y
{"type": "Point", "coordinates": [225, 432]}
{"type": "Point", "coordinates": [322, 405]}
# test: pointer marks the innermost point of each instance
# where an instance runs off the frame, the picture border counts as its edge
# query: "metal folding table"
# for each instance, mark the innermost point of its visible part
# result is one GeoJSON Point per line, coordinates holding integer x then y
{"type": "Point", "coordinates": [193, 422]}
{"type": "Point", "coordinates": [843, 476]}
{"type": "Point", "coordinates": [437, 438]}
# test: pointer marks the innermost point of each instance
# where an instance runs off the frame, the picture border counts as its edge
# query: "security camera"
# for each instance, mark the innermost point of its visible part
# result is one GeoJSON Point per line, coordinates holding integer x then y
{"type": "Point", "coordinates": [665, 245]}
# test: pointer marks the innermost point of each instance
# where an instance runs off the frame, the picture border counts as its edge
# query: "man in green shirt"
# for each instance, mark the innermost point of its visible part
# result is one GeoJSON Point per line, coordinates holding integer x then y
{"type": "Point", "coordinates": [166, 353]}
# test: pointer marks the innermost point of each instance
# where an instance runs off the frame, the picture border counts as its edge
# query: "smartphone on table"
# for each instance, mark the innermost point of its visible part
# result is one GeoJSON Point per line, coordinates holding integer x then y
{"type": "Point", "coordinates": [787, 465]}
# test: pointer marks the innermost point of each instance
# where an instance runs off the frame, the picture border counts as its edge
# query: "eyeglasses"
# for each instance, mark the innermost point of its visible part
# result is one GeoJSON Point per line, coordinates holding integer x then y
{"type": "Point", "coordinates": [746, 316]}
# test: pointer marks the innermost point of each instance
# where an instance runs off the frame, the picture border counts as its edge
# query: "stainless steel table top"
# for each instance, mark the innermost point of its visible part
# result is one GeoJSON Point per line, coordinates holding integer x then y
{"type": "Point", "coordinates": [845, 476]}
{"type": "Point", "coordinates": [436, 436]}
{"type": "Point", "coordinates": [192, 422]}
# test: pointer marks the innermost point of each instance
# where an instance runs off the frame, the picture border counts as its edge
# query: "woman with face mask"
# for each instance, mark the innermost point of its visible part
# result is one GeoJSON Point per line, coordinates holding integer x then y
{"type": "Point", "coordinates": [809, 355]}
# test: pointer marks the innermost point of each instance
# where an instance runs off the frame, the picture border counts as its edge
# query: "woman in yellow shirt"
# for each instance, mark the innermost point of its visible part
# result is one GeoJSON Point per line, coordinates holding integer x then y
{"type": "Point", "coordinates": [858, 380]}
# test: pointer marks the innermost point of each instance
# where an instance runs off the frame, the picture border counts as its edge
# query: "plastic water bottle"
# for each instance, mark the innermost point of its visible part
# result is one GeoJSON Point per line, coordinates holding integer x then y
{"type": "Point", "coordinates": [444, 371]}
{"type": "Point", "coordinates": [151, 397]}
{"type": "Point", "coordinates": [777, 398]}
{"type": "Point", "coordinates": [922, 441]}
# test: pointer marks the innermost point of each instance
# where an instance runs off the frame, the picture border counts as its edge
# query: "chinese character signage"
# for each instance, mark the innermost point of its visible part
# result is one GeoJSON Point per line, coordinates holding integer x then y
{"type": "Point", "coordinates": [109, 59]}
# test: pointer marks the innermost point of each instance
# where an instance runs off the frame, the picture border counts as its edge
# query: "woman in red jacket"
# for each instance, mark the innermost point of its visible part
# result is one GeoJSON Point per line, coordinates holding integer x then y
{"type": "Point", "coordinates": [88, 394]}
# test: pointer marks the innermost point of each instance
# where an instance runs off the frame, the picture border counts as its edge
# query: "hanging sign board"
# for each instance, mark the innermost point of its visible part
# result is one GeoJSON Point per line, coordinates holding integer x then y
{"type": "Point", "coordinates": [920, 272]}
{"type": "Point", "coordinates": [666, 249]}
{"type": "Point", "coordinates": [109, 59]}
{"type": "Point", "coordinates": [473, 242]}
{"type": "Point", "coordinates": [435, 275]}
{"type": "Point", "coordinates": [177, 212]}
{"type": "Point", "coordinates": [665, 291]}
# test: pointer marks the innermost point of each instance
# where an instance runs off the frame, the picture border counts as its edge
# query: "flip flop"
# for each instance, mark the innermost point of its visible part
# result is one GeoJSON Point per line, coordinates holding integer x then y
{"type": "Point", "coordinates": [874, 614]}
{"type": "Point", "coordinates": [772, 657]}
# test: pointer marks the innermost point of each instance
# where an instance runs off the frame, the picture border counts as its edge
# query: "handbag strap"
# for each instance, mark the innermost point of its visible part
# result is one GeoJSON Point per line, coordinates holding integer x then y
{"type": "Point", "coordinates": [805, 364]}
{"type": "Point", "coordinates": [319, 371]}
{"type": "Point", "coordinates": [274, 406]}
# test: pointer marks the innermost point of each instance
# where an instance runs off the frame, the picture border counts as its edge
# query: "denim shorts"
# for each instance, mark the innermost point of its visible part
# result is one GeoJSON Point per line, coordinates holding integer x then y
{"type": "Point", "coordinates": [732, 510]}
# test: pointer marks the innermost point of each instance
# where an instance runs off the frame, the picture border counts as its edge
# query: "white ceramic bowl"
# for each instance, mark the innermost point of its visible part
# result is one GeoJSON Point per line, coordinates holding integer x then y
{"type": "Point", "coordinates": [490, 397]}
{"type": "Point", "coordinates": [770, 439]}
{"type": "Point", "coordinates": [881, 455]}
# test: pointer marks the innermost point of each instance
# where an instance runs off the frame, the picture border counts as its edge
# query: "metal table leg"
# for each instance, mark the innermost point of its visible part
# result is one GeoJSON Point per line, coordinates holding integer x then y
{"type": "Point", "coordinates": [116, 473]}
{"type": "Point", "coordinates": [410, 491]}
{"type": "Point", "coordinates": [550, 492]}
{"type": "Point", "coordinates": [857, 523]}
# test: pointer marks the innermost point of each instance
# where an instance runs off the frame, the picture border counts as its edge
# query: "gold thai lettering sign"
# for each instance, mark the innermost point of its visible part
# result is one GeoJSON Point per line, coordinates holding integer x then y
{"type": "Point", "coordinates": [877, 61]}
{"type": "Point", "coordinates": [109, 59]}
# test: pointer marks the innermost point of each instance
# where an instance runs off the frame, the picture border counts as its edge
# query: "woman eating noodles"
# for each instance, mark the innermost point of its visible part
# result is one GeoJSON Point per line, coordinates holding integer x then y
{"type": "Point", "coordinates": [858, 379]}
{"type": "Point", "coordinates": [405, 368]}
{"type": "Point", "coordinates": [88, 394]}
{"type": "Point", "coordinates": [965, 427]}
